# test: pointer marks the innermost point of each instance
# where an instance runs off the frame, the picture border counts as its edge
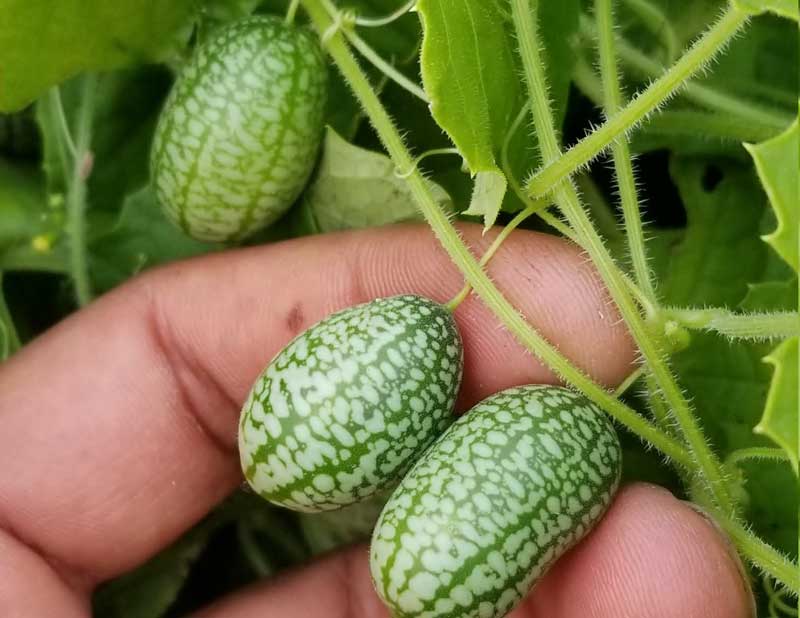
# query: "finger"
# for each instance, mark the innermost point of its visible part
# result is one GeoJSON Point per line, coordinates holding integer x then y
{"type": "Point", "coordinates": [651, 556]}
{"type": "Point", "coordinates": [117, 429]}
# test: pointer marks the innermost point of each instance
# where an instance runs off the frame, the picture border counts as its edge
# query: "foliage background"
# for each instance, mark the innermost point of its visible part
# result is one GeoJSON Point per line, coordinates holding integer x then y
{"type": "Point", "coordinates": [706, 204]}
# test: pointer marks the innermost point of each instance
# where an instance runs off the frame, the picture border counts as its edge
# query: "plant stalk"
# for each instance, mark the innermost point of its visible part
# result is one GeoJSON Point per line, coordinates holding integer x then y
{"type": "Point", "coordinates": [76, 193]}
{"type": "Point", "coordinates": [623, 168]}
{"type": "Point", "coordinates": [567, 199]}
{"type": "Point", "coordinates": [558, 168]}
{"type": "Point", "coordinates": [464, 260]}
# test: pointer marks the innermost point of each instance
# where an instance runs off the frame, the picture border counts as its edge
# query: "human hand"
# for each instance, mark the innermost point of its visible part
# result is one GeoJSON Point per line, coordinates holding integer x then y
{"type": "Point", "coordinates": [118, 427]}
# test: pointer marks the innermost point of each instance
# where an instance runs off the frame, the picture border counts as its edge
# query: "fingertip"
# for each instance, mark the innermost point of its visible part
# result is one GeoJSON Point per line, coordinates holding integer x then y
{"type": "Point", "coordinates": [652, 556]}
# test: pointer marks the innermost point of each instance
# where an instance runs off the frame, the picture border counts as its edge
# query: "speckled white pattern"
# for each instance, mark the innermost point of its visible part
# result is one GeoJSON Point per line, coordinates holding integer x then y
{"type": "Point", "coordinates": [493, 503]}
{"type": "Point", "coordinates": [238, 136]}
{"type": "Point", "coordinates": [345, 408]}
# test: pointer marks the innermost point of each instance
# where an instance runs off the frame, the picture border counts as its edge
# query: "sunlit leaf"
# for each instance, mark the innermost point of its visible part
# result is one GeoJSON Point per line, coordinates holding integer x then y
{"type": "Point", "coordinates": [356, 188]}
{"type": "Point", "coordinates": [43, 42]}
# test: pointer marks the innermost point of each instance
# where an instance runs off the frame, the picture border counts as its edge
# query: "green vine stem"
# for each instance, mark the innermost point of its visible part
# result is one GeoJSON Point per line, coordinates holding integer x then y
{"type": "Point", "coordinates": [384, 67]}
{"type": "Point", "coordinates": [464, 260]}
{"type": "Point", "coordinates": [654, 19]}
{"type": "Point", "coordinates": [761, 554]}
{"type": "Point", "coordinates": [74, 157]}
{"type": "Point", "coordinates": [756, 452]}
{"type": "Point", "coordinates": [377, 22]}
{"type": "Point", "coordinates": [620, 150]}
{"type": "Point", "coordinates": [752, 326]}
{"type": "Point", "coordinates": [658, 408]}
{"type": "Point", "coordinates": [505, 232]}
{"type": "Point", "coordinates": [776, 601]}
{"type": "Point", "coordinates": [567, 199]}
{"type": "Point", "coordinates": [684, 122]}
{"type": "Point", "coordinates": [76, 193]}
{"type": "Point", "coordinates": [643, 104]}
{"type": "Point", "coordinates": [419, 158]}
{"type": "Point", "coordinates": [291, 11]}
{"type": "Point", "coordinates": [707, 96]}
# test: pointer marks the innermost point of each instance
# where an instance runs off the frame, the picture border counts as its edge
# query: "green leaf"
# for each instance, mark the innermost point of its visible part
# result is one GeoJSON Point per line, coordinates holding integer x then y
{"type": "Point", "coordinates": [713, 262]}
{"type": "Point", "coordinates": [228, 10]}
{"type": "Point", "coordinates": [42, 43]}
{"type": "Point", "coordinates": [780, 419]}
{"type": "Point", "coordinates": [558, 22]}
{"type": "Point", "coordinates": [720, 252]}
{"type": "Point", "coordinates": [29, 227]}
{"type": "Point", "coordinates": [771, 296]}
{"type": "Point", "coordinates": [356, 188]}
{"type": "Point", "coordinates": [9, 340]}
{"type": "Point", "coordinates": [469, 71]}
{"type": "Point", "coordinates": [777, 161]}
{"type": "Point", "coordinates": [142, 238]}
{"type": "Point", "coordinates": [127, 104]}
{"type": "Point", "coordinates": [148, 591]}
{"type": "Point", "coordinates": [487, 197]}
{"type": "Point", "coordinates": [784, 8]}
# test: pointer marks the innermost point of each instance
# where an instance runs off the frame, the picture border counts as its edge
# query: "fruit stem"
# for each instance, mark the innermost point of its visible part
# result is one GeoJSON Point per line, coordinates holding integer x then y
{"type": "Point", "coordinates": [464, 260]}
{"type": "Point", "coordinates": [566, 197]}
{"type": "Point", "coordinates": [505, 231]}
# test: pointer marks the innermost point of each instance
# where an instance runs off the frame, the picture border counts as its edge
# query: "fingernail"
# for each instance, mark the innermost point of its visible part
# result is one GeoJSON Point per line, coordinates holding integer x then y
{"type": "Point", "coordinates": [734, 555]}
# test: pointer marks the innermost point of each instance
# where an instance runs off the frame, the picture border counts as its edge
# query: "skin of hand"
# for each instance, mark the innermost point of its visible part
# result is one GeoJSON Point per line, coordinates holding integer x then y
{"type": "Point", "coordinates": [118, 427]}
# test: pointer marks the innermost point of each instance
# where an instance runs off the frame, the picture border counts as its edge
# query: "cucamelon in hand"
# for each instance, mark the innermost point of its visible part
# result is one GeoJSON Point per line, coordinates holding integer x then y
{"type": "Point", "coordinates": [344, 410]}
{"type": "Point", "coordinates": [507, 489]}
{"type": "Point", "coordinates": [239, 134]}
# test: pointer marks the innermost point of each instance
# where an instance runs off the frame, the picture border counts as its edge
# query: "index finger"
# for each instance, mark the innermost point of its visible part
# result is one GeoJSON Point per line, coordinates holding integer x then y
{"type": "Point", "coordinates": [118, 428]}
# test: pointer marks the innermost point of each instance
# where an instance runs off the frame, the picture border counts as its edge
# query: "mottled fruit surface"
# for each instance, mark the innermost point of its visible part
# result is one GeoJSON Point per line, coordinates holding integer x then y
{"type": "Point", "coordinates": [239, 134]}
{"type": "Point", "coordinates": [346, 408]}
{"type": "Point", "coordinates": [493, 503]}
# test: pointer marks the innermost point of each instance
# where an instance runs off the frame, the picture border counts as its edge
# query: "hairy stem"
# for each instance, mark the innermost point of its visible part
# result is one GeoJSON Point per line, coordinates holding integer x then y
{"type": "Point", "coordinates": [567, 199]}
{"type": "Point", "coordinates": [464, 260]}
{"type": "Point", "coordinates": [685, 122]}
{"type": "Point", "coordinates": [762, 555]}
{"type": "Point", "coordinates": [754, 326]}
{"type": "Point", "coordinates": [620, 150]}
{"type": "Point", "coordinates": [707, 96]}
{"type": "Point", "coordinates": [756, 452]}
{"type": "Point", "coordinates": [643, 104]}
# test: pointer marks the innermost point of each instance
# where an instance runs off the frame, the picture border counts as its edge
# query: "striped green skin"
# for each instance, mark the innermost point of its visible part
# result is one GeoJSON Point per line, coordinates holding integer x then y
{"type": "Point", "coordinates": [344, 410]}
{"type": "Point", "coordinates": [509, 488]}
{"type": "Point", "coordinates": [239, 134]}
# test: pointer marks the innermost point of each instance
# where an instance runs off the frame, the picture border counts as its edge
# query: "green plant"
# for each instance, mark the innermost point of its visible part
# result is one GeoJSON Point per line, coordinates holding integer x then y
{"type": "Point", "coordinates": [675, 234]}
{"type": "Point", "coordinates": [510, 487]}
{"type": "Point", "coordinates": [343, 410]}
{"type": "Point", "coordinates": [256, 82]}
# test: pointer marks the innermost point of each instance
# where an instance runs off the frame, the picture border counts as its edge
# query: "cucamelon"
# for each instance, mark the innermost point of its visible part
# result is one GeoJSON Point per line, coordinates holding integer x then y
{"type": "Point", "coordinates": [344, 410]}
{"type": "Point", "coordinates": [504, 492]}
{"type": "Point", "coordinates": [239, 134]}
